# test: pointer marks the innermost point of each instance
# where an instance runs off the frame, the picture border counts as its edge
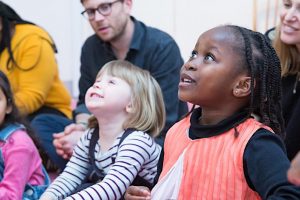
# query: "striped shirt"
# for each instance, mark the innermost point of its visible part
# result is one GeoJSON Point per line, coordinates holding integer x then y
{"type": "Point", "coordinates": [138, 154]}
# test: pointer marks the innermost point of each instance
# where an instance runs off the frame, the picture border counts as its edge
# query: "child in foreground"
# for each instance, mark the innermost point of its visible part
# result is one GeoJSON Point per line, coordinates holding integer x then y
{"type": "Point", "coordinates": [123, 97]}
{"type": "Point", "coordinates": [225, 152]}
{"type": "Point", "coordinates": [22, 175]}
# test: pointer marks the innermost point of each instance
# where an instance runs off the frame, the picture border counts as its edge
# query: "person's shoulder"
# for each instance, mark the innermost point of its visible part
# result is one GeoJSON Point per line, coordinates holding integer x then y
{"type": "Point", "coordinates": [30, 35]}
{"type": "Point", "coordinates": [92, 40]}
{"type": "Point", "coordinates": [139, 134]}
{"type": "Point", "coordinates": [32, 30]}
{"type": "Point", "coordinates": [155, 34]}
{"type": "Point", "coordinates": [20, 138]}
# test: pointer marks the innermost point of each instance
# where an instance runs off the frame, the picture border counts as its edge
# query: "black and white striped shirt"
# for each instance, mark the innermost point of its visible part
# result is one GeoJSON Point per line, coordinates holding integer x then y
{"type": "Point", "coordinates": [138, 154]}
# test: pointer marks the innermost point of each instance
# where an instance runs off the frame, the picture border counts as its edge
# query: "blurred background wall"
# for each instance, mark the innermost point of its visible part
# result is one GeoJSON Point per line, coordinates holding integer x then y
{"type": "Point", "coordinates": [185, 20]}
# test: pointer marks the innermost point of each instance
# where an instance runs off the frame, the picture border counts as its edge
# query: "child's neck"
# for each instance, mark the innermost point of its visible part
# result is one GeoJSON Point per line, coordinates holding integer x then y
{"type": "Point", "coordinates": [108, 132]}
{"type": "Point", "coordinates": [212, 117]}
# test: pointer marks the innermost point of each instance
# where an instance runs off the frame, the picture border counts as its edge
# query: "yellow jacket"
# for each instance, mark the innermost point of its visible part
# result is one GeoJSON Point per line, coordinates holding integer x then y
{"type": "Point", "coordinates": [35, 81]}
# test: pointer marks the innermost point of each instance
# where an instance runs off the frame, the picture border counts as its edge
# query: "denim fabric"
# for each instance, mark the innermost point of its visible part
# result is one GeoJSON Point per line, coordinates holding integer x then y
{"type": "Point", "coordinates": [31, 192]}
{"type": "Point", "coordinates": [44, 126]}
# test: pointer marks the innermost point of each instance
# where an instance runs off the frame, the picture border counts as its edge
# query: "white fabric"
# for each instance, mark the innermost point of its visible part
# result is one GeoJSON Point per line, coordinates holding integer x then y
{"type": "Point", "coordinates": [168, 187]}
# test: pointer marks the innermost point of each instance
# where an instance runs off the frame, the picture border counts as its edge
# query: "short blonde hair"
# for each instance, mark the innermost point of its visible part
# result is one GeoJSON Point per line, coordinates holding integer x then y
{"type": "Point", "coordinates": [288, 55]}
{"type": "Point", "coordinates": [147, 100]}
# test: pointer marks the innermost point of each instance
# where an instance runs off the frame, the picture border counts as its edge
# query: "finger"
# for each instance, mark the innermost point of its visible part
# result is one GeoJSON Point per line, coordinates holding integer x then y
{"type": "Point", "coordinates": [66, 156]}
{"type": "Point", "coordinates": [58, 135]}
{"type": "Point", "coordinates": [60, 152]}
{"type": "Point", "coordinates": [137, 192]}
{"type": "Point", "coordinates": [70, 128]}
{"type": "Point", "coordinates": [57, 144]}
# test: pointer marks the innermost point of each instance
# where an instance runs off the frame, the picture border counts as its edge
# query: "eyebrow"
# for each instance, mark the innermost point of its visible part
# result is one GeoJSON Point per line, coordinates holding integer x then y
{"type": "Point", "coordinates": [214, 48]}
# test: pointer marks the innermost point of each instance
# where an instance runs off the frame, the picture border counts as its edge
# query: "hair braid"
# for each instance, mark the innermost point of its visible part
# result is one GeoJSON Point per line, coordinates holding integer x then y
{"type": "Point", "coordinates": [264, 68]}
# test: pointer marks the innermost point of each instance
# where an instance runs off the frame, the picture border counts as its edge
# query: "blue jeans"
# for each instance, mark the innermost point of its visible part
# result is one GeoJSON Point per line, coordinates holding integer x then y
{"type": "Point", "coordinates": [44, 126]}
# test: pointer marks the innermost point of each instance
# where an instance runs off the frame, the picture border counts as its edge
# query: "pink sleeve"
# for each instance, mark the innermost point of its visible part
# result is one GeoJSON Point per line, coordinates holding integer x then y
{"type": "Point", "coordinates": [22, 161]}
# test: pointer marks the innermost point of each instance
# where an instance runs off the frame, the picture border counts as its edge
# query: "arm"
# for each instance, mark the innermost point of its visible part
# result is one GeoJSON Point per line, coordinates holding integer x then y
{"type": "Point", "coordinates": [136, 150]}
{"type": "Point", "coordinates": [266, 165]}
{"type": "Point", "coordinates": [141, 192]}
{"type": "Point", "coordinates": [20, 159]}
{"type": "Point", "coordinates": [40, 68]}
{"type": "Point", "coordinates": [74, 173]}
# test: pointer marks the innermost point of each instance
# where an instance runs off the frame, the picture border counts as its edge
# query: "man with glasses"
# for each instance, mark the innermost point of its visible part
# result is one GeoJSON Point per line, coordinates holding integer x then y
{"type": "Point", "coordinates": [118, 35]}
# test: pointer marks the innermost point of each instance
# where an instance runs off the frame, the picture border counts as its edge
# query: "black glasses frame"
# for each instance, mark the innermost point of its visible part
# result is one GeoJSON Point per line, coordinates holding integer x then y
{"type": "Point", "coordinates": [90, 12]}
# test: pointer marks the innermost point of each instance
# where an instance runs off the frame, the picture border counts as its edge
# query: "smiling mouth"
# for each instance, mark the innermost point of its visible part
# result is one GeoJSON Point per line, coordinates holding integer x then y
{"type": "Point", "coordinates": [93, 95]}
{"type": "Point", "coordinates": [186, 80]}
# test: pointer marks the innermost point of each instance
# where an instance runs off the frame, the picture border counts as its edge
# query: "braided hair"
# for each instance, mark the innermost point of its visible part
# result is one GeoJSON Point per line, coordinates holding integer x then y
{"type": "Point", "coordinates": [261, 61]}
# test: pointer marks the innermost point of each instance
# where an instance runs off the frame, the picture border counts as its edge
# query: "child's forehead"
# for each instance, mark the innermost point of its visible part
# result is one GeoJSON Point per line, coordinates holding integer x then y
{"type": "Point", "coordinates": [219, 36]}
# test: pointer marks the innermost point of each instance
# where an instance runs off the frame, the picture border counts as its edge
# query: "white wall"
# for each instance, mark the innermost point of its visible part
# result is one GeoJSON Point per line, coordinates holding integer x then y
{"type": "Point", "coordinates": [185, 20]}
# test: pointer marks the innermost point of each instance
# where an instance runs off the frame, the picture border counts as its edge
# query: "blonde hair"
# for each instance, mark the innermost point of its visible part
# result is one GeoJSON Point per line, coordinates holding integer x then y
{"type": "Point", "coordinates": [147, 101]}
{"type": "Point", "coordinates": [288, 55]}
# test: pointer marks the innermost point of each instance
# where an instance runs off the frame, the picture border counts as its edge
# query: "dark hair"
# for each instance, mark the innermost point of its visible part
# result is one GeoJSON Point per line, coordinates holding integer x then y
{"type": "Point", "coordinates": [14, 116]}
{"type": "Point", "coordinates": [9, 19]}
{"type": "Point", "coordinates": [261, 61]}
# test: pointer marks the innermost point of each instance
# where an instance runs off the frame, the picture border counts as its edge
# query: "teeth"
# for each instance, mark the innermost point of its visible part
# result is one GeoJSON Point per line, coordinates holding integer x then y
{"type": "Point", "coordinates": [187, 80]}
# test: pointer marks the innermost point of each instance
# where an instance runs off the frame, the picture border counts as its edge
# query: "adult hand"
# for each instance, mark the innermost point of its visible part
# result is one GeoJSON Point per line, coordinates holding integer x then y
{"type": "Point", "coordinates": [137, 193]}
{"type": "Point", "coordinates": [294, 171]}
{"type": "Point", "coordinates": [65, 141]}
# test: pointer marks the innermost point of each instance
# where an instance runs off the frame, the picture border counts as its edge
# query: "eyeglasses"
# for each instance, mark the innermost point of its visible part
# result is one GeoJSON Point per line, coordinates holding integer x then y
{"type": "Point", "coordinates": [103, 9]}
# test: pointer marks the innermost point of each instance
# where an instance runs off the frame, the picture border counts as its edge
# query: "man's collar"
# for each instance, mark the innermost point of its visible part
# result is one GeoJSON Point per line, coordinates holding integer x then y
{"type": "Point", "coordinates": [138, 34]}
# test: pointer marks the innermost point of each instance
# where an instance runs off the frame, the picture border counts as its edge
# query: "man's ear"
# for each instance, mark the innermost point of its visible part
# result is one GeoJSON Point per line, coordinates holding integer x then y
{"type": "Point", "coordinates": [242, 88]}
{"type": "Point", "coordinates": [128, 5]}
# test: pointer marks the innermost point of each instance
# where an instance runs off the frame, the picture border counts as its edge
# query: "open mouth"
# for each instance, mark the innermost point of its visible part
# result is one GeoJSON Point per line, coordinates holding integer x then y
{"type": "Point", "coordinates": [95, 95]}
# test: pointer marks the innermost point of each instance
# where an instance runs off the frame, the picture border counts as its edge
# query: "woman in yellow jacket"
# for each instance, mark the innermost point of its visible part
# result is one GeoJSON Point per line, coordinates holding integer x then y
{"type": "Point", "coordinates": [27, 57]}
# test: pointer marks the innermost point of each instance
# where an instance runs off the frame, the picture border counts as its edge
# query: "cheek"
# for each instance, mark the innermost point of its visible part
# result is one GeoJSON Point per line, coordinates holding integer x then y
{"type": "Point", "coordinates": [87, 95]}
{"type": "Point", "coordinates": [282, 14]}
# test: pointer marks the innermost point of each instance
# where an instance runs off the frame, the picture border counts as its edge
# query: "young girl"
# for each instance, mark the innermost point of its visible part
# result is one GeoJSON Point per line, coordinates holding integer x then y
{"type": "Point", "coordinates": [224, 152]}
{"type": "Point", "coordinates": [21, 173]}
{"type": "Point", "coordinates": [122, 97]}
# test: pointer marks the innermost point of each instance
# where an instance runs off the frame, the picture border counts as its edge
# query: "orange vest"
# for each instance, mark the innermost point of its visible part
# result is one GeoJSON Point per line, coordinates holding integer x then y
{"type": "Point", "coordinates": [213, 167]}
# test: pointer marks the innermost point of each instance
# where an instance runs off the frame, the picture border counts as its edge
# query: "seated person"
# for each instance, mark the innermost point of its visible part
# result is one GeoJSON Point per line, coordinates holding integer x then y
{"type": "Point", "coordinates": [27, 57]}
{"type": "Point", "coordinates": [22, 175]}
{"type": "Point", "coordinates": [125, 39]}
{"type": "Point", "coordinates": [124, 100]}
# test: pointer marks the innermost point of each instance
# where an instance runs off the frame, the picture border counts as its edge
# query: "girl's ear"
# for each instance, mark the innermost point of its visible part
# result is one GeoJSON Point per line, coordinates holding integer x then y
{"type": "Point", "coordinates": [8, 109]}
{"type": "Point", "coordinates": [129, 108]}
{"type": "Point", "coordinates": [242, 88]}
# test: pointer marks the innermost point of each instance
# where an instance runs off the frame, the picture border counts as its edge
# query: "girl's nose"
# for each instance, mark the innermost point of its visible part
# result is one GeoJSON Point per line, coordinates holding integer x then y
{"type": "Point", "coordinates": [96, 85]}
{"type": "Point", "coordinates": [189, 66]}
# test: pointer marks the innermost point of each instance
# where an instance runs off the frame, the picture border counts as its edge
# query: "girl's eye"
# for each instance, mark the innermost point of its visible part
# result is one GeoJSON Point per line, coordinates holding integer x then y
{"type": "Point", "coordinates": [193, 54]}
{"type": "Point", "coordinates": [111, 82]}
{"type": "Point", "coordinates": [209, 57]}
